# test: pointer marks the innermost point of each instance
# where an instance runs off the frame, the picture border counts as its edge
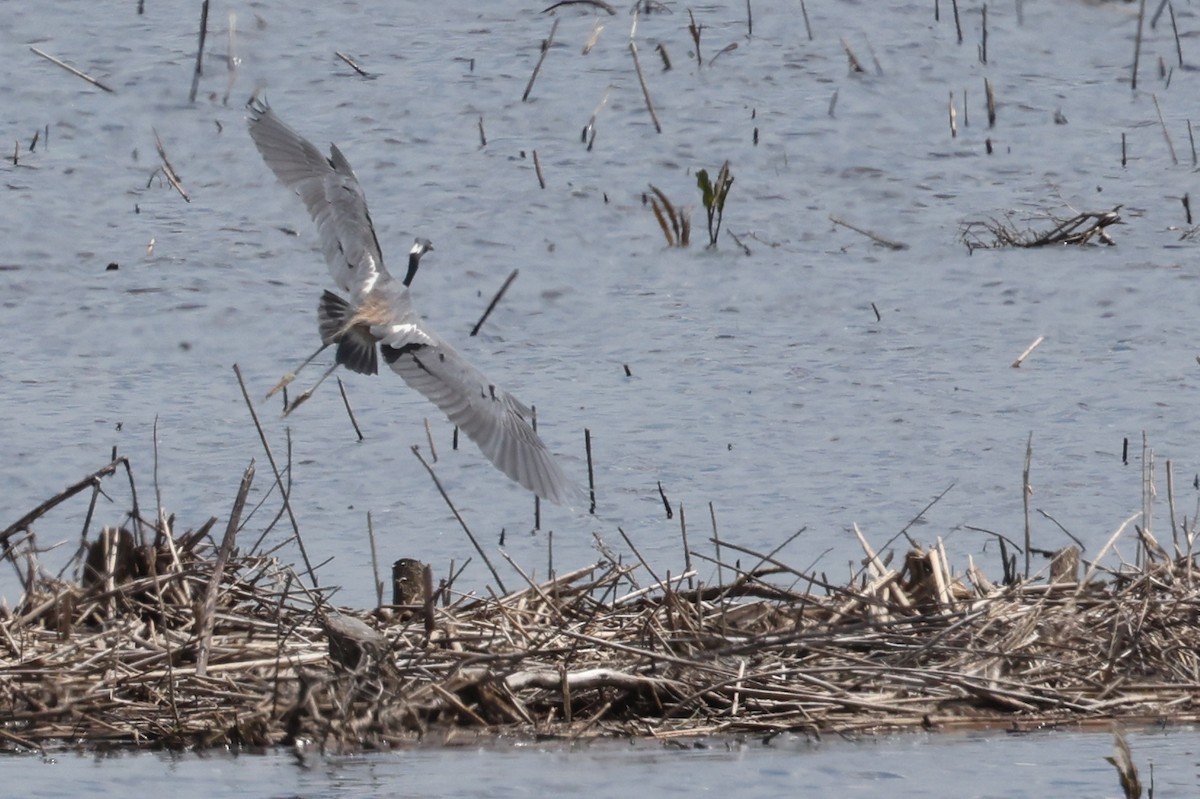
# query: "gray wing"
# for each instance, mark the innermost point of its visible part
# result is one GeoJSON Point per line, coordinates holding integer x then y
{"type": "Point", "coordinates": [332, 195]}
{"type": "Point", "coordinates": [491, 417]}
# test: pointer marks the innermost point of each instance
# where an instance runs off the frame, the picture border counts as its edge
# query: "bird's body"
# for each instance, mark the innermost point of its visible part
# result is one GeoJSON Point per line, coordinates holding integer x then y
{"type": "Point", "coordinates": [379, 318]}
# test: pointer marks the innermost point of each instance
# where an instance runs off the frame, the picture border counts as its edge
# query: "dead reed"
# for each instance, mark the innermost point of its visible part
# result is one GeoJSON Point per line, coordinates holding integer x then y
{"type": "Point", "coordinates": [1085, 227]}
{"type": "Point", "coordinates": [170, 639]}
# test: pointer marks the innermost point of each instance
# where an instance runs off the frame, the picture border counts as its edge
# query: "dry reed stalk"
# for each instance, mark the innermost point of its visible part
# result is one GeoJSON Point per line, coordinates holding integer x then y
{"type": "Point", "coordinates": [77, 73]}
{"type": "Point", "coordinates": [499, 295]}
{"type": "Point", "coordinates": [1137, 44]}
{"type": "Point", "coordinates": [199, 69]}
{"type": "Point", "coordinates": [349, 410]}
{"type": "Point", "coordinates": [546, 43]}
{"type": "Point", "coordinates": [891, 244]}
{"type": "Point", "coordinates": [167, 169]}
{"type": "Point", "coordinates": [580, 656]}
{"type": "Point", "coordinates": [352, 63]}
{"type": "Point", "coordinates": [637, 65]}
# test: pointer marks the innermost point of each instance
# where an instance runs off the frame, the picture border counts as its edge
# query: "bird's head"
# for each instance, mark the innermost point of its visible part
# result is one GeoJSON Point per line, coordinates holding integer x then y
{"type": "Point", "coordinates": [419, 248]}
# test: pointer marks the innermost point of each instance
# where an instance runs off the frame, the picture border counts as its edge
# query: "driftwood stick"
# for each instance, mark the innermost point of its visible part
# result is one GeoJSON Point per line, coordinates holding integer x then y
{"type": "Point", "coordinates": [352, 63]}
{"type": "Point", "coordinates": [546, 43]}
{"type": "Point", "coordinates": [495, 300]}
{"type": "Point", "coordinates": [349, 410]}
{"type": "Point", "coordinates": [92, 479]}
{"type": "Point", "coordinates": [1021, 358]}
{"type": "Point", "coordinates": [199, 70]}
{"type": "Point", "coordinates": [167, 169]}
{"type": "Point", "coordinates": [885, 242]}
{"type": "Point", "coordinates": [73, 70]}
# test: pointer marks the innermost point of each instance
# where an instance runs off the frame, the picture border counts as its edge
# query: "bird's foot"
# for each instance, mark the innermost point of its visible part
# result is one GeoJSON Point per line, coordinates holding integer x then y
{"type": "Point", "coordinates": [283, 383]}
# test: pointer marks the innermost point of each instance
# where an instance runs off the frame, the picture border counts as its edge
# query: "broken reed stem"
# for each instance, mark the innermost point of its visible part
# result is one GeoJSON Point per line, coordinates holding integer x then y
{"type": "Point", "coordinates": [889, 243]}
{"type": "Point", "coordinates": [482, 135]}
{"type": "Point", "coordinates": [349, 410]}
{"type": "Point", "coordinates": [953, 117]}
{"type": "Point", "coordinates": [637, 65]}
{"type": "Point", "coordinates": [352, 63]}
{"type": "Point", "coordinates": [495, 300]}
{"type": "Point", "coordinates": [470, 536]}
{"type": "Point", "coordinates": [73, 70]}
{"type": "Point", "coordinates": [231, 59]}
{"type": "Point", "coordinates": [92, 479]}
{"type": "Point", "coordinates": [855, 64]}
{"type": "Point", "coordinates": [208, 616]}
{"type": "Point", "coordinates": [1175, 30]}
{"type": "Point", "coordinates": [1137, 44]}
{"type": "Point", "coordinates": [537, 168]}
{"type": "Point", "coordinates": [549, 40]}
{"type": "Point", "coordinates": [429, 438]}
{"type": "Point", "coordinates": [807, 25]}
{"type": "Point", "coordinates": [1026, 489]}
{"type": "Point", "coordinates": [199, 70]}
{"type": "Point", "coordinates": [587, 445]}
{"type": "Point", "coordinates": [957, 22]}
{"type": "Point", "coordinates": [1021, 358]}
{"type": "Point", "coordinates": [167, 169]}
{"type": "Point", "coordinates": [537, 501]}
{"type": "Point", "coordinates": [1166, 135]}
{"type": "Point", "coordinates": [982, 47]}
{"type": "Point", "coordinates": [991, 102]}
{"type": "Point", "coordinates": [374, 562]}
{"type": "Point", "coordinates": [284, 493]}
{"type": "Point", "coordinates": [687, 550]}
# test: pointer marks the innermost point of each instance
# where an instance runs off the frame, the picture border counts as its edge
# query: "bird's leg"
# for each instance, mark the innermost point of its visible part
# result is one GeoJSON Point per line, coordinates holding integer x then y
{"type": "Point", "coordinates": [290, 376]}
{"type": "Point", "coordinates": [303, 397]}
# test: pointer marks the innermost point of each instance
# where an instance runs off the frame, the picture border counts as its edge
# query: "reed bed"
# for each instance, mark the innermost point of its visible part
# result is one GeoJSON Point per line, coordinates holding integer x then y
{"type": "Point", "coordinates": [176, 640]}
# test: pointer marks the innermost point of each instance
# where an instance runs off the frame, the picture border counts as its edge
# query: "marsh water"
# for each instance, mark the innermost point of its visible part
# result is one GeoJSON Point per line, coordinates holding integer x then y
{"type": "Point", "coordinates": [799, 376]}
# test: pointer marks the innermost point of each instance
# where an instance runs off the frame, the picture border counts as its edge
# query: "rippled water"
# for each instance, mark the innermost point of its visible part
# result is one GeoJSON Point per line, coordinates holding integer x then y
{"type": "Point", "coordinates": [903, 767]}
{"type": "Point", "coordinates": [762, 383]}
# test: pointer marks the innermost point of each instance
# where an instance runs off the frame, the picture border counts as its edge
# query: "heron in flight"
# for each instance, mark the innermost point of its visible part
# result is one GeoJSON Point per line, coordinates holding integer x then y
{"type": "Point", "coordinates": [379, 318]}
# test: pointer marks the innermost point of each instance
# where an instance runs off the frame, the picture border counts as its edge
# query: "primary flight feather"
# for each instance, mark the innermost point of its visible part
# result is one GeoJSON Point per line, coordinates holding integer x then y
{"type": "Point", "coordinates": [379, 318]}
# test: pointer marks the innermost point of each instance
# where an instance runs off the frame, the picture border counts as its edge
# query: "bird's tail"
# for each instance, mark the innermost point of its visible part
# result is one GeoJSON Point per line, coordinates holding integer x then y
{"type": "Point", "coordinates": [355, 346]}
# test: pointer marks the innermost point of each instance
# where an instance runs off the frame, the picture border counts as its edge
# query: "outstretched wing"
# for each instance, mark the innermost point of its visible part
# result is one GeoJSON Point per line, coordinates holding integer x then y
{"type": "Point", "coordinates": [332, 195]}
{"type": "Point", "coordinates": [491, 417]}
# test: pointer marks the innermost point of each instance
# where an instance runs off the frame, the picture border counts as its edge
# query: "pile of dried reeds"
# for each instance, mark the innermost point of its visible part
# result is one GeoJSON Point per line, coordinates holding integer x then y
{"type": "Point", "coordinates": [176, 640]}
{"type": "Point", "coordinates": [1081, 228]}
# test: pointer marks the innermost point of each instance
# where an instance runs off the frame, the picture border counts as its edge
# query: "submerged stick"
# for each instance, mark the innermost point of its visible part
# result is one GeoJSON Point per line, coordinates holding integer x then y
{"type": "Point", "coordinates": [549, 40]}
{"type": "Point", "coordinates": [587, 445]}
{"type": "Point", "coordinates": [1021, 358]}
{"type": "Point", "coordinates": [73, 70]}
{"type": "Point", "coordinates": [352, 63]}
{"type": "Point", "coordinates": [1163, 125]}
{"type": "Point", "coordinates": [349, 410]}
{"type": "Point", "coordinates": [1137, 44]}
{"type": "Point", "coordinates": [889, 243]}
{"type": "Point", "coordinates": [167, 169]}
{"type": "Point", "coordinates": [495, 300]}
{"type": "Point", "coordinates": [199, 70]}
{"type": "Point", "coordinates": [637, 65]}
{"type": "Point", "coordinates": [537, 168]}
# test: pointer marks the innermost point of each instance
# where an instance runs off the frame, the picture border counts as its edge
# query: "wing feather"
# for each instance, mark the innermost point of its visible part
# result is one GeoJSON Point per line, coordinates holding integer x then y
{"type": "Point", "coordinates": [332, 195]}
{"type": "Point", "coordinates": [490, 416]}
